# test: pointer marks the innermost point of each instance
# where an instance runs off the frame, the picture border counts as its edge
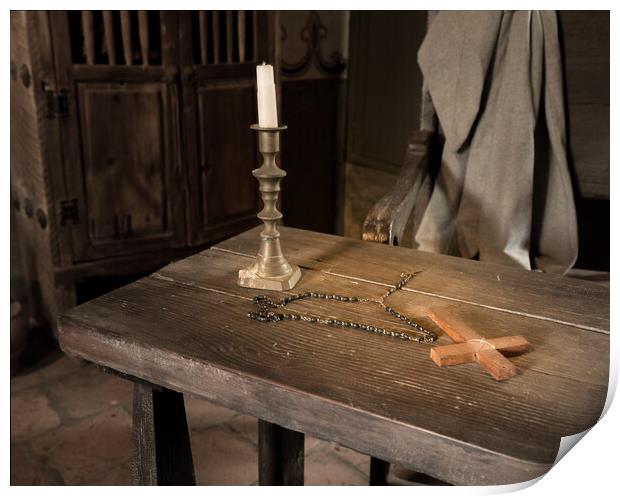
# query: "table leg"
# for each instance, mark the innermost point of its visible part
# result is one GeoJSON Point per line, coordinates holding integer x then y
{"type": "Point", "coordinates": [379, 470]}
{"type": "Point", "coordinates": [280, 455]}
{"type": "Point", "coordinates": [162, 453]}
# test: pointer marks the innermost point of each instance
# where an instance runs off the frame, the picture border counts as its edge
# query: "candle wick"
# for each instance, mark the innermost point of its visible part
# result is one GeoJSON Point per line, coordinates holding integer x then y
{"type": "Point", "coordinates": [264, 63]}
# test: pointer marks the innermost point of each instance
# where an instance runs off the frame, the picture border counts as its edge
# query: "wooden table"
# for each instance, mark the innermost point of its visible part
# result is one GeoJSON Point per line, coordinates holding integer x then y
{"type": "Point", "coordinates": [185, 329]}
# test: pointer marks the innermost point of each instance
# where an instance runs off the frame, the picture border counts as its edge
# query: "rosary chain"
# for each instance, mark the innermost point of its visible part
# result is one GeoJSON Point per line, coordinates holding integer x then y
{"type": "Point", "coordinates": [267, 313]}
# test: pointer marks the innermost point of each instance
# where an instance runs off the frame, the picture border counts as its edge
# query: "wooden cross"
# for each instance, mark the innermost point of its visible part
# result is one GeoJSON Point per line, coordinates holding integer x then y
{"type": "Point", "coordinates": [472, 347]}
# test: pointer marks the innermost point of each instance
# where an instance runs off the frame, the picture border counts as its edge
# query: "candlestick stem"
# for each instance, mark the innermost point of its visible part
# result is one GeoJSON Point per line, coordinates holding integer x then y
{"type": "Point", "coordinates": [271, 270]}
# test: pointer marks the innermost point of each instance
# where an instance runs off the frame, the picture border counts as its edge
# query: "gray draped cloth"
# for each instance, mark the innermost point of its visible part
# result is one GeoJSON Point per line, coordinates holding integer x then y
{"type": "Point", "coordinates": [503, 190]}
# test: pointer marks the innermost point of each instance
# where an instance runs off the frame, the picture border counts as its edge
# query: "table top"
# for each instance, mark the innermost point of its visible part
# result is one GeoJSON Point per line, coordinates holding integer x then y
{"type": "Point", "coordinates": [186, 327]}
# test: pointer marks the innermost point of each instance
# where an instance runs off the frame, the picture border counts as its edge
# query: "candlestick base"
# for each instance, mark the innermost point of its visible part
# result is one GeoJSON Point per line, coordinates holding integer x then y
{"type": "Point", "coordinates": [250, 278]}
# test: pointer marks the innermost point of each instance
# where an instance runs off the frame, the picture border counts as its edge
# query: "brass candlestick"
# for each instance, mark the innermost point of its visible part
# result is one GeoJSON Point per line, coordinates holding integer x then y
{"type": "Point", "coordinates": [271, 270]}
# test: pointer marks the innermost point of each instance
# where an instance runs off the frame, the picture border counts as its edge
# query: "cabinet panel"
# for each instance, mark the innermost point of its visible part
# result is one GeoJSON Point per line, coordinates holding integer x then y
{"type": "Point", "coordinates": [126, 159]}
{"type": "Point", "coordinates": [218, 71]}
{"type": "Point", "coordinates": [229, 193]}
{"type": "Point", "coordinates": [120, 132]}
{"type": "Point", "coordinates": [157, 148]}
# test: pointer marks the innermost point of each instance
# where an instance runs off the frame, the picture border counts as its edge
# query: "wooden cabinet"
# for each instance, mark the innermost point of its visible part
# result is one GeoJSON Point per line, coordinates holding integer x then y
{"type": "Point", "coordinates": [130, 141]}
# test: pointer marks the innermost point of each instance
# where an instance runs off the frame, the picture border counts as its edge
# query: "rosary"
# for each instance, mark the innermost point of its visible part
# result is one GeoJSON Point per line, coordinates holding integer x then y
{"type": "Point", "coordinates": [267, 312]}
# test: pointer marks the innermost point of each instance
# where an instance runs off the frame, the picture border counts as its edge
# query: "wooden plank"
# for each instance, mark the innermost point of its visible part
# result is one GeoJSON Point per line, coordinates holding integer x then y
{"type": "Point", "coordinates": [230, 72]}
{"type": "Point", "coordinates": [126, 36]}
{"type": "Point", "coordinates": [589, 143]}
{"type": "Point", "coordinates": [204, 33]}
{"type": "Point", "coordinates": [547, 297]}
{"type": "Point", "coordinates": [255, 54]}
{"type": "Point", "coordinates": [553, 345]}
{"type": "Point", "coordinates": [108, 31]}
{"type": "Point", "coordinates": [585, 43]}
{"type": "Point", "coordinates": [215, 25]}
{"type": "Point", "coordinates": [411, 411]}
{"type": "Point", "coordinates": [129, 264]}
{"type": "Point", "coordinates": [34, 148]}
{"type": "Point", "coordinates": [170, 39]}
{"type": "Point", "coordinates": [89, 36]}
{"type": "Point", "coordinates": [143, 32]}
{"type": "Point", "coordinates": [229, 37]}
{"type": "Point", "coordinates": [241, 34]}
{"type": "Point", "coordinates": [132, 74]}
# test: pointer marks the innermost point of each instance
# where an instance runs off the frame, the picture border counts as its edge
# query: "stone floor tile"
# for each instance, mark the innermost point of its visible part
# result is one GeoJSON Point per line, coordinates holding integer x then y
{"type": "Point", "coordinates": [90, 391]}
{"type": "Point", "coordinates": [222, 457]}
{"type": "Point", "coordinates": [358, 460]}
{"type": "Point", "coordinates": [202, 414]}
{"type": "Point", "coordinates": [85, 450]}
{"type": "Point", "coordinates": [313, 444]}
{"type": "Point", "coordinates": [60, 365]}
{"type": "Point", "coordinates": [25, 380]}
{"type": "Point", "coordinates": [327, 469]}
{"type": "Point", "coordinates": [71, 424]}
{"type": "Point", "coordinates": [245, 426]}
{"type": "Point", "coordinates": [28, 470]}
{"type": "Point", "coordinates": [115, 476]}
{"type": "Point", "coordinates": [31, 415]}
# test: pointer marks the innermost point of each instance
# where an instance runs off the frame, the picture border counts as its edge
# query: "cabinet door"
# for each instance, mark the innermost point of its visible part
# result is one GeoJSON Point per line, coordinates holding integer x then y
{"type": "Point", "coordinates": [219, 53]}
{"type": "Point", "coordinates": [122, 162]}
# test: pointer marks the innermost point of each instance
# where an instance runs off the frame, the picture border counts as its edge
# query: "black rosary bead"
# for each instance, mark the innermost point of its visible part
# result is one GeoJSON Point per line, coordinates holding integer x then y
{"type": "Point", "coordinates": [264, 313]}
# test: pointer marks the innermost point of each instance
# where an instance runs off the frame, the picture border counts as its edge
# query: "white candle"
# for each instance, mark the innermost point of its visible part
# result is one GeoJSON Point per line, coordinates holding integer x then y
{"type": "Point", "coordinates": [266, 94]}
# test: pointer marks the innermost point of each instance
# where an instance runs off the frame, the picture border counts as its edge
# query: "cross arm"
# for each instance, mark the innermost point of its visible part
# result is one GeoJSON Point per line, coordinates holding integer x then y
{"type": "Point", "coordinates": [471, 346]}
{"type": "Point", "coordinates": [456, 354]}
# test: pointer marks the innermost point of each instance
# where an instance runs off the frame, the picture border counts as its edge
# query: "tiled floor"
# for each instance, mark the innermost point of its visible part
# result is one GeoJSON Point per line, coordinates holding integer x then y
{"type": "Point", "coordinates": [71, 424]}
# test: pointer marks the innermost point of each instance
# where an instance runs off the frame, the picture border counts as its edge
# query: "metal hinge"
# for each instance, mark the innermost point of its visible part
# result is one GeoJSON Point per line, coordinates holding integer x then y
{"type": "Point", "coordinates": [69, 212]}
{"type": "Point", "coordinates": [57, 103]}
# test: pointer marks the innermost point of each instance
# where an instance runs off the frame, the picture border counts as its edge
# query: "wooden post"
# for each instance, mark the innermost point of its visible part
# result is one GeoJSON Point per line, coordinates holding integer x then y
{"type": "Point", "coordinates": [143, 33]}
{"type": "Point", "coordinates": [202, 24]}
{"type": "Point", "coordinates": [280, 455]}
{"type": "Point", "coordinates": [379, 471]}
{"type": "Point", "coordinates": [215, 25]}
{"type": "Point", "coordinates": [162, 451]}
{"type": "Point", "coordinates": [126, 36]}
{"type": "Point", "coordinates": [255, 36]}
{"type": "Point", "coordinates": [229, 36]}
{"type": "Point", "coordinates": [89, 36]}
{"type": "Point", "coordinates": [241, 34]}
{"type": "Point", "coordinates": [108, 30]}
{"type": "Point", "coordinates": [471, 346]}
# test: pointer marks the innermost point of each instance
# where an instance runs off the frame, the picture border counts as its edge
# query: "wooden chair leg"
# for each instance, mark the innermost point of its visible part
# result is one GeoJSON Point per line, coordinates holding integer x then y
{"type": "Point", "coordinates": [280, 455]}
{"type": "Point", "coordinates": [379, 471]}
{"type": "Point", "coordinates": [162, 453]}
